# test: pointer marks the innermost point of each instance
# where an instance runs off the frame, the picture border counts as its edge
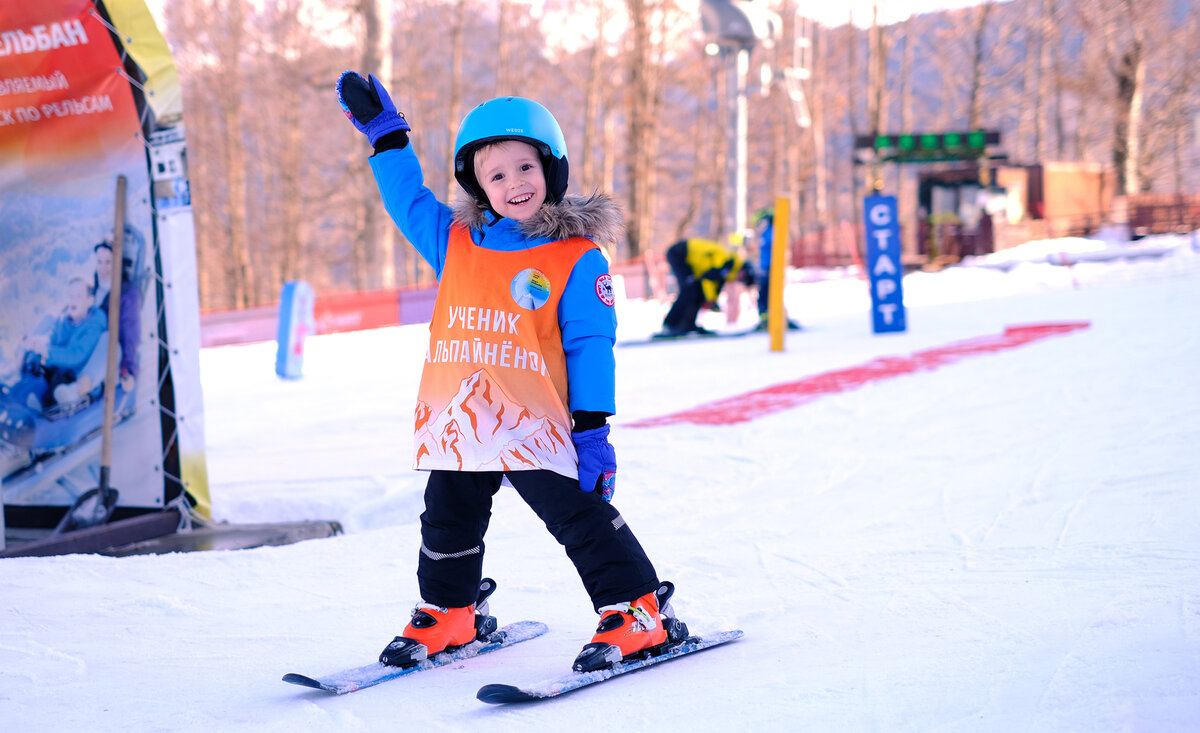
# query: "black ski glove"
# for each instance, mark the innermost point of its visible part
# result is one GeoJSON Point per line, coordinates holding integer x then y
{"type": "Point", "coordinates": [368, 105]}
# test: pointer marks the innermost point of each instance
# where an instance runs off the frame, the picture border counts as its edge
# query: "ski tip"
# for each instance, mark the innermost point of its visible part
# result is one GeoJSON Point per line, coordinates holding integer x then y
{"type": "Point", "coordinates": [299, 679]}
{"type": "Point", "coordinates": [703, 641]}
{"type": "Point", "coordinates": [499, 694]}
{"type": "Point", "coordinates": [521, 631]}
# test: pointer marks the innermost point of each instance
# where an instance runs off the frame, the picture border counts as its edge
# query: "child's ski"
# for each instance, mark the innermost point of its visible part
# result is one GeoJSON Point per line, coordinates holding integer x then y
{"type": "Point", "coordinates": [570, 682]}
{"type": "Point", "coordinates": [360, 678]}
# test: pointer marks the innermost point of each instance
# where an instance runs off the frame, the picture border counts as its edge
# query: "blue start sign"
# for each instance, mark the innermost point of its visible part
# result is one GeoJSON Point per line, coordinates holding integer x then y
{"type": "Point", "coordinates": [883, 264]}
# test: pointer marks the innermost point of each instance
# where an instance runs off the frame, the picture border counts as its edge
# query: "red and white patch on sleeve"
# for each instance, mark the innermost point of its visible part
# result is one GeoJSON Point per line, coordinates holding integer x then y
{"type": "Point", "coordinates": [604, 289]}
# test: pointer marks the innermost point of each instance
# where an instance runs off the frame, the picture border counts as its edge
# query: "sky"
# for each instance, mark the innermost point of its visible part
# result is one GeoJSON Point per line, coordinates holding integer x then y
{"type": "Point", "coordinates": [830, 14]}
{"type": "Point", "coordinates": [986, 523]}
{"type": "Point", "coordinates": [890, 11]}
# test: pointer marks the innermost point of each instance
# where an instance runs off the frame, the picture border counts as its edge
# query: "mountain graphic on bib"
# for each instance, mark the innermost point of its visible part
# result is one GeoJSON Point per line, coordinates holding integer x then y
{"type": "Point", "coordinates": [482, 429]}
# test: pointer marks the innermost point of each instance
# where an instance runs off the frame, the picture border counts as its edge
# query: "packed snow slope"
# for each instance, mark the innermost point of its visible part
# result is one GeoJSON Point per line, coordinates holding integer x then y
{"type": "Point", "coordinates": [1009, 541]}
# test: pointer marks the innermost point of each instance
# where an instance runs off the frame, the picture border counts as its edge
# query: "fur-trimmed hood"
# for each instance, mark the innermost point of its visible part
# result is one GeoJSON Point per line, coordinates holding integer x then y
{"type": "Point", "coordinates": [596, 217]}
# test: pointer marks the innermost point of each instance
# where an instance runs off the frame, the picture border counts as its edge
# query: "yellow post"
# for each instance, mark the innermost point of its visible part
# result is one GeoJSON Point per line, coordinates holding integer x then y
{"type": "Point", "coordinates": [775, 316]}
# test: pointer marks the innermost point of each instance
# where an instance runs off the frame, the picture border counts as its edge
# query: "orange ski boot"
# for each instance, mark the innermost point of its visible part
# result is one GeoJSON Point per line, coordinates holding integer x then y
{"type": "Point", "coordinates": [635, 629]}
{"type": "Point", "coordinates": [435, 629]}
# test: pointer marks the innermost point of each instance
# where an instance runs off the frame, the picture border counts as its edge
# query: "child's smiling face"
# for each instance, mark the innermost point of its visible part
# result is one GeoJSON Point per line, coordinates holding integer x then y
{"type": "Point", "coordinates": [79, 300]}
{"type": "Point", "coordinates": [510, 173]}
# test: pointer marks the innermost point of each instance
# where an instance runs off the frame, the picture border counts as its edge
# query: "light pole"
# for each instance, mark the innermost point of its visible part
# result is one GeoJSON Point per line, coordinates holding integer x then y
{"type": "Point", "coordinates": [743, 71]}
{"type": "Point", "coordinates": [729, 30]}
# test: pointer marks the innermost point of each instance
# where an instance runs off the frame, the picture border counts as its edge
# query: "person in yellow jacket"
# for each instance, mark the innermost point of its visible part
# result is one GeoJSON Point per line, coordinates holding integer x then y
{"type": "Point", "coordinates": [701, 268]}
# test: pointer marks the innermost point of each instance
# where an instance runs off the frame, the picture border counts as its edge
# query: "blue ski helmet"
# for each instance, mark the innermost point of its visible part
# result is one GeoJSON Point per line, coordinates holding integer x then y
{"type": "Point", "coordinates": [511, 118]}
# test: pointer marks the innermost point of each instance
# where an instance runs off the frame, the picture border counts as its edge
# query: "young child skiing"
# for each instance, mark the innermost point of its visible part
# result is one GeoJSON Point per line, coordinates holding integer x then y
{"type": "Point", "coordinates": [519, 377]}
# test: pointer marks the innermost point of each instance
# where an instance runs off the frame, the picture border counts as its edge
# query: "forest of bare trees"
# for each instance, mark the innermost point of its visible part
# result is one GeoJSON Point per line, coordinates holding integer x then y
{"type": "Point", "coordinates": [282, 191]}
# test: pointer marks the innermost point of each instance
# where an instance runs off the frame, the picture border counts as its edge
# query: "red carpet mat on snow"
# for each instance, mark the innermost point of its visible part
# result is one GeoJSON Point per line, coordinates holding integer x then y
{"type": "Point", "coordinates": [745, 407]}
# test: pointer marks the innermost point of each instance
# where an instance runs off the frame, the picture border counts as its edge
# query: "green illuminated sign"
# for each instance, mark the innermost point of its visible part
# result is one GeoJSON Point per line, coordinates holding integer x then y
{"type": "Point", "coordinates": [928, 146]}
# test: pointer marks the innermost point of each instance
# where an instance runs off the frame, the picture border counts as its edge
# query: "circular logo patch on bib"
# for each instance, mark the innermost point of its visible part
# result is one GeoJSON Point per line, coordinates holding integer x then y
{"type": "Point", "coordinates": [530, 288]}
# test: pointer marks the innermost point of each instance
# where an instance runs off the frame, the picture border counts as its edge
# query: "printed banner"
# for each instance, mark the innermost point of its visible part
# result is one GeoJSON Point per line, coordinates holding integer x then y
{"type": "Point", "coordinates": [883, 264]}
{"type": "Point", "coordinates": [74, 117]}
{"type": "Point", "coordinates": [295, 325]}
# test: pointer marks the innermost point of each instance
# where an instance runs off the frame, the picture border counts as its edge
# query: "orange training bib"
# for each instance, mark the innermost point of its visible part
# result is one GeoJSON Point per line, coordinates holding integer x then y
{"type": "Point", "coordinates": [493, 394]}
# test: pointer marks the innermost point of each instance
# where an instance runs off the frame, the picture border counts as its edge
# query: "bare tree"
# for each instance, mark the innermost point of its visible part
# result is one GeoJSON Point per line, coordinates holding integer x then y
{"type": "Point", "coordinates": [703, 177]}
{"type": "Point", "coordinates": [589, 70]}
{"type": "Point", "coordinates": [983, 12]}
{"type": "Point", "coordinates": [1032, 121]}
{"type": "Point", "coordinates": [1129, 72]}
{"type": "Point", "coordinates": [817, 109]}
{"type": "Point", "coordinates": [233, 148]}
{"type": "Point", "coordinates": [1171, 101]}
{"type": "Point", "coordinates": [877, 80]}
{"type": "Point", "coordinates": [282, 141]}
{"type": "Point", "coordinates": [454, 111]}
{"type": "Point", "coordinates": [593, 106]}
{"type": "Point", "coordinates": [852, 72]}
{"type": "Point", "coordinates": [642, 89]}
{"type": "Point", "coordinates": [188, 36]}
{"type": "Point", "coordinates": [504, 68]}
{"type": "Point", "coordinates": [281, 191]}
{"type": "Point", "coordinates": [1122, 26]}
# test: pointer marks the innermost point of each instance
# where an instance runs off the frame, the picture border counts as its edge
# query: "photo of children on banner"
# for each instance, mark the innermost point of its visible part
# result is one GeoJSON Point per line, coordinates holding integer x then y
{"type": "Point", "coordinates": [56, 358]}
{"type": "Point", "coordinates": [52, 401]}
{"type": "Point", "coordinates": [130, 321]}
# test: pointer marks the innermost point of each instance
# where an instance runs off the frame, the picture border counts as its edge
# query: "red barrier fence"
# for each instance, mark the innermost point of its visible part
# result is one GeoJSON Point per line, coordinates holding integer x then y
{"type": "Point", "coordinates": [1162, 213]}
{"type": "Point", "coordinates": [332, 312]}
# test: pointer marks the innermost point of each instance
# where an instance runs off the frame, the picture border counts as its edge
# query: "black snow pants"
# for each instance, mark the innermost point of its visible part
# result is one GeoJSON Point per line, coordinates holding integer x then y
{"type": "Point", "coordinates": [682, 315]}
{"type": "Point", "coordinates": [458, 506]}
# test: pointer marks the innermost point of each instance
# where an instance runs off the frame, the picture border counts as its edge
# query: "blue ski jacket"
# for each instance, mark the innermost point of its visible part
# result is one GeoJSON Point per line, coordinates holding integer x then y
{"type": "Point", "coordinates": [585, 313]}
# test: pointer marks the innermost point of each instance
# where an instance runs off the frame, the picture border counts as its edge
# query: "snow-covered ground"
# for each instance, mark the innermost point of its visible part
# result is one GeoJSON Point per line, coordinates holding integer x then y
{"type": "Point", "coordinates": [1008, 542]}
